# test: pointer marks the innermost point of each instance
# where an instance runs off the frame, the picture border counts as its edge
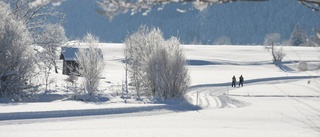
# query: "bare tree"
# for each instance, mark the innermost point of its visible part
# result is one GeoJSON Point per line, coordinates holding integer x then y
{"type": "Point", "coordinates": [52, 37]}
{"type": "Point", "coordinates": [273, 39]}
{"type": "Point", "coordinates": [36, 17]}
{"type": "Point", "coordinates": [278, 54]}
{"type": "Point", "coordinates": [46, 68]}
{"type": "Point", "coordinates": [17, 58]}
{"type": "Point", "coordinates": [91, 64]}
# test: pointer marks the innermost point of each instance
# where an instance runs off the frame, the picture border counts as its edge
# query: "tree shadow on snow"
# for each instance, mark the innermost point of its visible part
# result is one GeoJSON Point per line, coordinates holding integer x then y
{"type": "Point", "coordinates": [281, 65]}
{"type": "Point", "coordinates": [224, 62]}
{"type": "Point", "coordinates": [279, 96]}
{"type": "Point", "coordinates": [168, 106]}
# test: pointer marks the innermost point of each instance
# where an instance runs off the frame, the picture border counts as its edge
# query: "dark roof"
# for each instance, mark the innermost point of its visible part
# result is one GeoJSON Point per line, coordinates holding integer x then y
{"type": "Point", "coordinates": [69, 54]}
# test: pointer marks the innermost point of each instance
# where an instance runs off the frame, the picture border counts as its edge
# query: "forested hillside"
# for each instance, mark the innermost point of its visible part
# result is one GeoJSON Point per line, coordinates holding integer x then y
{"type": "Point", "coordinates": [242, 22]}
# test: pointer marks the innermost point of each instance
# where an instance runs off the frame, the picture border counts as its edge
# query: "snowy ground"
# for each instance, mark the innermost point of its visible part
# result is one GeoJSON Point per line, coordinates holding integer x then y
{"type": "Point", "coordinates": [276, 100]}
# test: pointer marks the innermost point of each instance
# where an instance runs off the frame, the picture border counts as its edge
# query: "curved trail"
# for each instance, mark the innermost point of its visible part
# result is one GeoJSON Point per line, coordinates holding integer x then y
{"type": "Point", "coordinates": [206, 96]}
{"type": "Point", "coordinates": [213, 96]}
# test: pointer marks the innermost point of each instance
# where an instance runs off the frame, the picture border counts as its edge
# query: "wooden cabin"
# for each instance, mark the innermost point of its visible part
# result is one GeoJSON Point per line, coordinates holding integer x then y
{"type": "Point", "coordinates": [70, 65]}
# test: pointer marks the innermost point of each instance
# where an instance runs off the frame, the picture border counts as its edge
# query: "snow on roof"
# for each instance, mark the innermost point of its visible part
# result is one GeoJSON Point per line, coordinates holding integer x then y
{"type": "Point", "coordinates": [69, 53]}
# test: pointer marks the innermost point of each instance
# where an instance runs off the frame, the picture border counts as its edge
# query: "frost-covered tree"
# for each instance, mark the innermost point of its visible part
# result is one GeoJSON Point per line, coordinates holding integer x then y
{"type": "Point", "coordinates": [139, 47]}
{"type": "Point", "coordinates": [35, 16]}
{"type": "Point", "coordinates": [156, 66]}
{"type": "Point", "coordinates": [298, 36]}
{"type": "Point", "coordinates": [167, 72]}
{"type": "Point", "coordinates": [111, 8]}
{"type": "Point", "coordinates": [272, 39]}
{"type": "Point", "coordinates": [278, 54]}
{"type": "Point", "coordinates": [133, 44]}
{"type": "Point", "coordinates": [17, 57]}
{"type": "Point", "coordinates": [91, 64]}
{"type": "Point", "coordinates": [51, 38]}
{"type": "Point", "coordinates": [44, 24]}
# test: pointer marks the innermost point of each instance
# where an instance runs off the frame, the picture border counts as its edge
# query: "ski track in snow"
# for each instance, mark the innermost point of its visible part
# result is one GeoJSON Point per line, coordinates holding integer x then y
{"type": "Point", "coordinates": [210, 96]}
{"type": "Point", "coordinates": [213, 98]}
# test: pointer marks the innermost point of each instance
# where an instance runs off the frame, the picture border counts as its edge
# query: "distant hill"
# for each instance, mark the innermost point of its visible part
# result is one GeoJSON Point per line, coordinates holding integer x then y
{"type": "Point", "coordinates": [243, 22]}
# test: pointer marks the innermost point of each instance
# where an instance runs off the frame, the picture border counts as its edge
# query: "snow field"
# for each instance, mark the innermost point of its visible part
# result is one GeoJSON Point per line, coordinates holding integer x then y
{"type": "Point", "coordinates": [273, 102]}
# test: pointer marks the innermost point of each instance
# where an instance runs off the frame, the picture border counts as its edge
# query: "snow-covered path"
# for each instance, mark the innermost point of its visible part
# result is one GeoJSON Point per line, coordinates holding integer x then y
{"type": "Point", "coordinates": [206, 96]}
{"type": "Point", "coordinates": [213, 96]}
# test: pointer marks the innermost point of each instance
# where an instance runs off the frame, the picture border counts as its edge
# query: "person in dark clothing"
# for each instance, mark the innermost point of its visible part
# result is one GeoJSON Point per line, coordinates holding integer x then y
{"type": "Point", "coordinates": [233, 81]}
{"type": "Point", "coordinates": [241, 81]}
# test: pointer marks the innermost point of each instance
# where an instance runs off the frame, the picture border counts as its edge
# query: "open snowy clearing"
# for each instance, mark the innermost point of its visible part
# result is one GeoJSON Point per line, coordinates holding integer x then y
{"type": "Point", "coordinates": [276, 100]}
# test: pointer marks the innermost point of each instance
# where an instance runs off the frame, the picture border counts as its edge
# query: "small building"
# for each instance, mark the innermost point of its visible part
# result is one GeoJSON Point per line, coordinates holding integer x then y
{"type": "Point", "coordinates": [70, 65]}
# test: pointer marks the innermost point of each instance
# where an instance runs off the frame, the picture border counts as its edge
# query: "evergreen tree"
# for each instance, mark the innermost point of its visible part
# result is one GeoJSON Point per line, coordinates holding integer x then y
{"type": "Point", "coordinates": [298, 36]}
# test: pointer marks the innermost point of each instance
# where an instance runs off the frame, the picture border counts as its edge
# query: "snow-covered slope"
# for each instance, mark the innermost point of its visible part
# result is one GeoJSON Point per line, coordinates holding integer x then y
{"type": "Point", "coordinates": [276, 100]}
{"type": "Point", "coordinates": [243, 22]}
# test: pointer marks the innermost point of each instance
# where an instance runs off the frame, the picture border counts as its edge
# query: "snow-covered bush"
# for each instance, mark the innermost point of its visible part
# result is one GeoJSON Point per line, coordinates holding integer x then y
{"type": "Point", "coordinates": [17, 58]}
{"type": "Point", "coordinates": [302, 66]}
{"type": "Point", "coordinates": [91, 65]}
{"type": "Point", "coordinates": [156, 66]}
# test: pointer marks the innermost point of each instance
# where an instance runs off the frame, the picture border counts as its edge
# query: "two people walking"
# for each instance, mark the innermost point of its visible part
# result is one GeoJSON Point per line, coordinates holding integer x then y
{"type": "Point", "coordinates": [234, 80]}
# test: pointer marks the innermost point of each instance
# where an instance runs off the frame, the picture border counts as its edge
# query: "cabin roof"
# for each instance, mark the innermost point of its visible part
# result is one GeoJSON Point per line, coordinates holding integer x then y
{"type": "Point", "coordinates": [68, 53]}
